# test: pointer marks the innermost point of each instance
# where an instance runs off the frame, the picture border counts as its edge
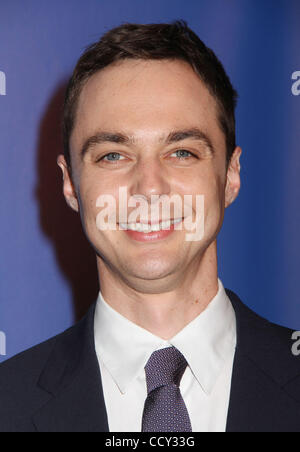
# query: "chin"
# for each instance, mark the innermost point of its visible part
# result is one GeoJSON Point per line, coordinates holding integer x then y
{"type": "Point", "coordinates": [151, 271]}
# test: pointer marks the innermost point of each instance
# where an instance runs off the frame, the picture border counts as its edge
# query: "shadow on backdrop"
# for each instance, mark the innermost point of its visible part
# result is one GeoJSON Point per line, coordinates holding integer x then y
{"type": "Point", "coordinates": [75, 257]}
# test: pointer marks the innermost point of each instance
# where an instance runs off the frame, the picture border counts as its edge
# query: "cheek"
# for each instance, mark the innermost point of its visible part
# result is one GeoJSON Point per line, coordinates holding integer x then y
{"type": "Point", "coordinates": [98, 205]}
{"type": "Point", "coordinates": [208, 183]}
{"type": "Point", "coordinates": [211, 186]}
{"type": "Point", "coordinates": [89, 190]}
{"type": "Point", "coordinates": [88, 212]}
{"type": "Point", "coordinates": [215, 192]}
{"type": "Point", "coordinates": [214, 206]}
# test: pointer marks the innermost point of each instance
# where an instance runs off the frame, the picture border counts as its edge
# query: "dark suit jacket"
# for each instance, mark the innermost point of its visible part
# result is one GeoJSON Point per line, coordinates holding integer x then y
{"type": "Point", "coordinates": [56, 386]}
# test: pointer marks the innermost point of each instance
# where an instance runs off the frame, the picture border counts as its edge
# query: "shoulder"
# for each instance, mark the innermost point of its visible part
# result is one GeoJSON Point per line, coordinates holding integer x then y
{"type": "Point", "coordinates": [20, 391]}
{"type": "Point", "coordinates": [27, 365]}
{"type": "Point", "coordinates": [268, 345]}
{"type": "Point", "coordinates": [32, 361]}
{"type": "Point", "coordinates": [248, 319]}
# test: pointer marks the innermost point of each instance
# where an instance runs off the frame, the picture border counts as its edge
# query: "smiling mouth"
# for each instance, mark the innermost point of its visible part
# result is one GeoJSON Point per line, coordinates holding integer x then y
{"type": "Point", "coordinates": [148, 228]}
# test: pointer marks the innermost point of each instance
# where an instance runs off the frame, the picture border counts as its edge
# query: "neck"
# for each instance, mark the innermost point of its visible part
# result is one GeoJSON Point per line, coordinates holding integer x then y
{"type": "Point", "coordinates": [179, 302]}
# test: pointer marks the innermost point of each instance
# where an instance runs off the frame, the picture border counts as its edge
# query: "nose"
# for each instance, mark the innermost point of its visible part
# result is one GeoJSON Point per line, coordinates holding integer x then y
{"type": "Point", "coordinates": [150, 178]}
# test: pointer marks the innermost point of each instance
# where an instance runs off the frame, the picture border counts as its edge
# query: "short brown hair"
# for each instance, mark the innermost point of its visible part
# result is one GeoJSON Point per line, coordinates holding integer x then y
{"type": "Point", "coordinates": [153, 42]}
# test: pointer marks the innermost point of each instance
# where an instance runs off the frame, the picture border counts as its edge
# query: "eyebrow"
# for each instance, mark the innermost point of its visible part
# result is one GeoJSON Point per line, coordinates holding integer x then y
{"type": "Point", "coordinates": [175, 136]}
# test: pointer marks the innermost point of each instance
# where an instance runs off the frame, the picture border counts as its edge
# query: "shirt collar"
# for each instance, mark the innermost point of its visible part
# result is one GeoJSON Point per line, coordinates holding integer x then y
{"type": "Point", "coordinates": [206, 342]}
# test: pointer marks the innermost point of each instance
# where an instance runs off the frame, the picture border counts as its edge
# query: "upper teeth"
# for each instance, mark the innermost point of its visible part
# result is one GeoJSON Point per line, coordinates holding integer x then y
{"type": "Point", "coordinates": [147, 227]}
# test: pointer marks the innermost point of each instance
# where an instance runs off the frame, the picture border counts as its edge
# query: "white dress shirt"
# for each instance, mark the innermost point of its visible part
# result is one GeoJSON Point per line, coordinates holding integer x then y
{"type": "Point", "coordinates": [207, 343]}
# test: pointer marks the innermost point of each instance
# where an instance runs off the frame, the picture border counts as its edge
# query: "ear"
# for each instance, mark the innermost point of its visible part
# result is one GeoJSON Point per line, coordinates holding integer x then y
{"type": "Point", "coordinates": [233, 182]}
{"type": "Point", "coordinates": [68, 187]}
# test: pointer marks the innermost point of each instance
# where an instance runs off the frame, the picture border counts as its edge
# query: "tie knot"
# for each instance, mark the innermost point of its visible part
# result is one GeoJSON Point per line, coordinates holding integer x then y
{"type": "Point", "coordinates": [164, 367]}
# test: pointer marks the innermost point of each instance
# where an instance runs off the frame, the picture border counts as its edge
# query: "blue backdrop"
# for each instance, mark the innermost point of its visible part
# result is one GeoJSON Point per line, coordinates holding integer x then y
{"type": "Point", "coordinates": [47, 269]}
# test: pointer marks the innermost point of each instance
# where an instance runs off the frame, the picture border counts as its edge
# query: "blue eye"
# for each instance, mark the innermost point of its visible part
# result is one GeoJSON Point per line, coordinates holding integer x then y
{"type": "Point", "coordinates": [181, 153]}
{"type": "Point", "coordinates": [111, 157]}
{"type": "Point", "coordinates": [114, 156]}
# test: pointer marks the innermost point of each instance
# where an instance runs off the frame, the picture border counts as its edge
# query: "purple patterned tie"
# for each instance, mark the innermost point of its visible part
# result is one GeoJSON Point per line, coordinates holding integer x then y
{"type": "Point", "coordinates": [165, 410]}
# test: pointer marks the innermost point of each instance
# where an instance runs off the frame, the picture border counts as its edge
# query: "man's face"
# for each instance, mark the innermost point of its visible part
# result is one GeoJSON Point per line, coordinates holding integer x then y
{"type": "Point", "coordinates": [147, 101]}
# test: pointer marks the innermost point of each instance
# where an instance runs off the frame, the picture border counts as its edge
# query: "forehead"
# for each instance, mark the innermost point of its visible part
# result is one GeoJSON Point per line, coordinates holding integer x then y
{"type": "Point", "coordinates": [147, 96]}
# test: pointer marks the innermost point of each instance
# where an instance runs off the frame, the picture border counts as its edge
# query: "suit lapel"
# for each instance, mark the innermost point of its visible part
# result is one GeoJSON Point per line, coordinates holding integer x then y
{"type": "Point", "coordinates": [72, 379]}
{"type": "Point", "coordinates": [264, 386]}
{"type": "Point", "coordinates": [263, 366]}
{"type": "Point", "coordinates": [257, 403]}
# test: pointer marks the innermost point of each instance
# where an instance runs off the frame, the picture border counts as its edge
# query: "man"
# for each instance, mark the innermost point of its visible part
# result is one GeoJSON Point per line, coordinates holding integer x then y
{"type": "Point", "coordinates": [150, 110]}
